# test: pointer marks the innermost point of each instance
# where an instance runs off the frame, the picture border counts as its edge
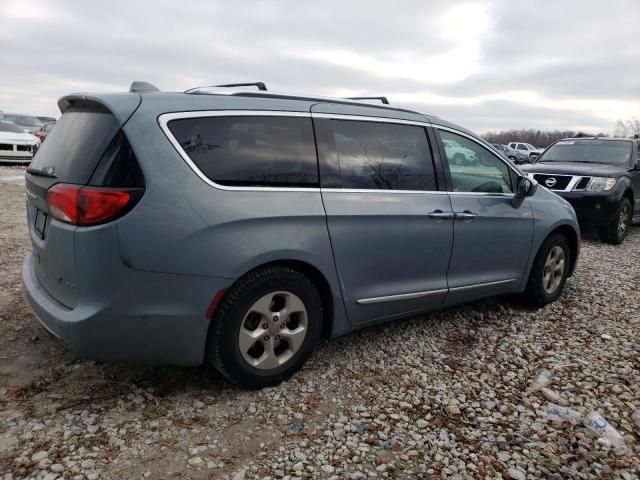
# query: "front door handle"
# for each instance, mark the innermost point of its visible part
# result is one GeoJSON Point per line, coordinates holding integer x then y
{"type": "Point", "coordinates": [441, 215]}
{"type": "Point", "coordinates": [466, 215]}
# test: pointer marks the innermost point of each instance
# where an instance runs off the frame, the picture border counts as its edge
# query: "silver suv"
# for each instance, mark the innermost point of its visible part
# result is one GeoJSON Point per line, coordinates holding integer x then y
{"type": "Point", "coordinates": [243, 226]}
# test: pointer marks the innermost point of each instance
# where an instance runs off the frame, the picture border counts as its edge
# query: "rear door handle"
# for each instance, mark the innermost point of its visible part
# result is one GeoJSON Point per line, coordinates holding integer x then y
{"type": "Point", "coordinates": [466, 215]}
{"type": "Point", "coordinates": [441, 215]}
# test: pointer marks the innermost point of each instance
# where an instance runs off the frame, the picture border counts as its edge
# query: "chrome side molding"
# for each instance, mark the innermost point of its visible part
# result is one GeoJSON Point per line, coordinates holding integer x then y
{"type": "Point", "coordinates": [410, 296]}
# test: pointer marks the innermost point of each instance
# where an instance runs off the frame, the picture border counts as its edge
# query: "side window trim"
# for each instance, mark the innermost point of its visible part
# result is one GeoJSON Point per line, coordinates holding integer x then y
{"type": "Point", "coordinates": [328, 163]}
{"type": "Point", "coordinates": [513, 173]}
{"type": "Point", "coordinates": [165, 118]}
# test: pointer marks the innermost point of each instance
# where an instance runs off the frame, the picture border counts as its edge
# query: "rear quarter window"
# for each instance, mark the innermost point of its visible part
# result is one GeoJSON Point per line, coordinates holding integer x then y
{"type": "Point", "coordinates": [268, 151]}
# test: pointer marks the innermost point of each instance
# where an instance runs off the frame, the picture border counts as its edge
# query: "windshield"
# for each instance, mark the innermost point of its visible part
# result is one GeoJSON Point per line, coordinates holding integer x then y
{"type": "Point", "coordinates": [612, 152]}
{"type": "Point", "coordinates": [530, 147]}
{"type": "Point", "coordinates": [23, 120]}
{"type": "Point", "coordinates": [10, 127]}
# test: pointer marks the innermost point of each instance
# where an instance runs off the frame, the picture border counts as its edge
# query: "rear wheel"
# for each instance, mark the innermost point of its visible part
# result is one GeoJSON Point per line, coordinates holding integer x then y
{"type": "Point", "coordinates": [617, 230]}
{"type": "Point", "coordinates": [266, 327]}
{"type": "Point", "coordinates": [549, 272]}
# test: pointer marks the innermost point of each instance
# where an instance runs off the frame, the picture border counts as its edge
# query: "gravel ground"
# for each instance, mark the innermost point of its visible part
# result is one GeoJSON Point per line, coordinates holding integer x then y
{"type": "Point", "coordinates": [446, 395]}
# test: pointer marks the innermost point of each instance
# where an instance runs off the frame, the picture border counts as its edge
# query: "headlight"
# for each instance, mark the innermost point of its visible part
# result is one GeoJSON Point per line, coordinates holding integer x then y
{"type": "Point", "coordinates": [599, 184]}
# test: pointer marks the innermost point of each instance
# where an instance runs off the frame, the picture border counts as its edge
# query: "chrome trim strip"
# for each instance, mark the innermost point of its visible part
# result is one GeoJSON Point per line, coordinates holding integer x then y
{"type": "Point", "coordinates": [364, 118]}
{"type": "Point", "coordinates": [165, 118]}
{"type": "Point", "coordinates": [375, 190]}
{"type": "Point", "coordinates": [480, 285]}
{"type": "Point", "coordinates": [402, 296]}
{"type": "Point", "coordinates": [431, 192]}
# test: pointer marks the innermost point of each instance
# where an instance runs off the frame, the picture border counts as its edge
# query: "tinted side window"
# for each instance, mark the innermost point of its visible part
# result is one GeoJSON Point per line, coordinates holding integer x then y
{"type": "Point", "coordinates": [473, 167]}
{"type": "Point", "coordinates": [384, 156]}
{"type": "Point", "coordinates": [521, 147]}
{"type": "Point", "coordinates": [251, 150]}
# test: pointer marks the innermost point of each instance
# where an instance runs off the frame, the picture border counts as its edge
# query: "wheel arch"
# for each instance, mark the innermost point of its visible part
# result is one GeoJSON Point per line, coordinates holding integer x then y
{"type": "Point", "coordinates": [316, 277]}
{"type": "Point", "coordinates": [628, 194]}
{"type": "Point", "coordinates": [573, 238]}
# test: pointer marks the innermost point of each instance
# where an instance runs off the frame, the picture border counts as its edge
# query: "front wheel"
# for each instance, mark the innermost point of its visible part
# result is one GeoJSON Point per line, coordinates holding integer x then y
{"type": "Point", "coordinates": [549, 272]}
{"type": "Point", "coordinates": [266, 327]}
{"type": "Point", "coordinates": [617, 230]}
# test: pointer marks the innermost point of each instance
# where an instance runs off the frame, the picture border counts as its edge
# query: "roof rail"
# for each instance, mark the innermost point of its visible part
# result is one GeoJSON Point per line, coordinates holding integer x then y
{"type": "Point", "coordinates": [260, 85]}
{"type": "Point", "coordinates": [142, 87]}
{"type": "Point", "coordinates": [382, 99]}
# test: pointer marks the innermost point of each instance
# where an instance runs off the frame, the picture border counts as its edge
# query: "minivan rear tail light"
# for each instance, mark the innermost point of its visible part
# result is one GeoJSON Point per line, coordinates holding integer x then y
{"type": "Point", "coordinates": [80, 205]}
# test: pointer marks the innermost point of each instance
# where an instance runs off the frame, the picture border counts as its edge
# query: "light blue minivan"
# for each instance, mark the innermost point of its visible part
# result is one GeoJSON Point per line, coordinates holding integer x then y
{"type": "Point", "coordinates": [242, 226]}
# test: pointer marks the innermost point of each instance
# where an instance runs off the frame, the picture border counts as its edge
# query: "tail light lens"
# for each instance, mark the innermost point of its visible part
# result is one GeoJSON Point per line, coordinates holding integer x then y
{"type": "Point", "coordinates": [85, 206]}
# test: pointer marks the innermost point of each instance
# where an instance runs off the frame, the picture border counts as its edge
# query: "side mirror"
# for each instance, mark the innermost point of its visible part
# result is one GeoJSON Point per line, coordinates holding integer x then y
{"type": "Point", "coordinates": [525, 187]}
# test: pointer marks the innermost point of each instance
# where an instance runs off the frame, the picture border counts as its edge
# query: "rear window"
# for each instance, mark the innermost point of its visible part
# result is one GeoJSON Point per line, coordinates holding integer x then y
{"type": "Point", "coordinates": [77, 143]}
{"type": "Point", "coordinates": [10, 127]}
{"type": "Point", "coordinates": [250, 150]}
{"type": "Point", "coordinates": [23, 120]}
{"type": "Point", "coordinates": [612, 152]}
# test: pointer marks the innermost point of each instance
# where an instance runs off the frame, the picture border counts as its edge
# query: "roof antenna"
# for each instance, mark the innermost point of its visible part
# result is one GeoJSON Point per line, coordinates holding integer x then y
{"type": "Point", "coordinates": [142, 87]}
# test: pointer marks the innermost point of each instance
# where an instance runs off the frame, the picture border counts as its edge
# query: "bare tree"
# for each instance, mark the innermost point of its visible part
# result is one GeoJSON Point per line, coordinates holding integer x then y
{"type": "Point", "coordinates": [627, 128]}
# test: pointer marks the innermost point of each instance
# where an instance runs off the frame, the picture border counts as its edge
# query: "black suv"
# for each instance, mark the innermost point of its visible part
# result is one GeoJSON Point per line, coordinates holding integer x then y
{"type": "Point", "coordinates": [599, 176]}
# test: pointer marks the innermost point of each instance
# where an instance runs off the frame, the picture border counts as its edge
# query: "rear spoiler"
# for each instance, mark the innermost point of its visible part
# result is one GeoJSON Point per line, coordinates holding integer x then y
{"type": "Point", "coordinates": [121, 105]}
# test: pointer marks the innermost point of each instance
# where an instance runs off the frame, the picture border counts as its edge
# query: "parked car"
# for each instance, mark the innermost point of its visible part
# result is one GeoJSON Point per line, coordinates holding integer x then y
{"type": "Point", "coordinates": [28, 123]}
{"type": "Point", "coordinates": [513, 155]}
{"type": "Point", "coordinates": [46, 119]}
{"type": "Point", "coordinates": [457, 153]}
{"type": "Point", "coordinates": [16, 146]}
{"type": "Point", "coordinates": [44, 130]}
{"type": "Point", "coordinates": [527, 149]}
{"type": "Point", "coordinates": [242, 227]}
{"type": "Point", "coordinates": [599, 176]}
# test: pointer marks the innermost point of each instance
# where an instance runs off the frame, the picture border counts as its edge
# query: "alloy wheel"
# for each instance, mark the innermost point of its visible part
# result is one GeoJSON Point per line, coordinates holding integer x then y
{"type": "Point", "coordinates": [273, 330]}
{"type": "Point", "coordinates": [623, 220]}
{"type": "Point", "coordinates": [553, 270]}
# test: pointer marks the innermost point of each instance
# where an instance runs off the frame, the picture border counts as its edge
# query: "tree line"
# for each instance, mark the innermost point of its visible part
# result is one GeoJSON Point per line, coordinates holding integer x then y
{"type": "Point", "coordinates": [537, 138]}
{"type": "Point", "coordinates": [544, 138]}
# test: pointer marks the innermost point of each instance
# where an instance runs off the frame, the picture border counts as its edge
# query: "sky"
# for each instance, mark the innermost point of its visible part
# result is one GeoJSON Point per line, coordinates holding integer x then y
{"type": "Point", "coordinates": [487, 65]}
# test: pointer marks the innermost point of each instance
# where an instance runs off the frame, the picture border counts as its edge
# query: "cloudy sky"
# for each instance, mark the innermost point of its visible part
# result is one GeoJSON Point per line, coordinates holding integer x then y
{"type": "Point", "coordinates": [488, 65]}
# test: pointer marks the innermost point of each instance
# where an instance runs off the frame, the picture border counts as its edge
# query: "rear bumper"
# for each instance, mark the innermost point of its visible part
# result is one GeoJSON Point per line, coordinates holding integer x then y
{"type": "Point", "coordinates": [147, 317]}
{"type": "Point", "coordinates": [595, 209]}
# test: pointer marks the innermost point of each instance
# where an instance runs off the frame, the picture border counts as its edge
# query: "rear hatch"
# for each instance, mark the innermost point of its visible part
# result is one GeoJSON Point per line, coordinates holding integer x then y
{"type": "Point", "coordinates": [87, 147]}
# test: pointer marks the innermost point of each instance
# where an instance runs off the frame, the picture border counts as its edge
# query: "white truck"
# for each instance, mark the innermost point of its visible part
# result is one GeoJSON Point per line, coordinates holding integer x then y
{"type": "Point", "coordinates": [529, 150]}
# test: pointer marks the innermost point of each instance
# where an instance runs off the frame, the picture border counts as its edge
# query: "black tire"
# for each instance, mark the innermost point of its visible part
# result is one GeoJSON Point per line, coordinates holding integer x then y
{"type": "Point", "coordinates": [535, 294]}
{"type": "Point", "coordinates": [617, 230]}
{"type": "Point", "coordinates": [223, 349]}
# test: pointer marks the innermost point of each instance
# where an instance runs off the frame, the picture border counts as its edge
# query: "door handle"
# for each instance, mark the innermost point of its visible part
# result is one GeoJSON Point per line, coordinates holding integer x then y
{"type": "Point", "coordinates": [466, 215]}
{"type": "Point", "coordinates": [441, 215]}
